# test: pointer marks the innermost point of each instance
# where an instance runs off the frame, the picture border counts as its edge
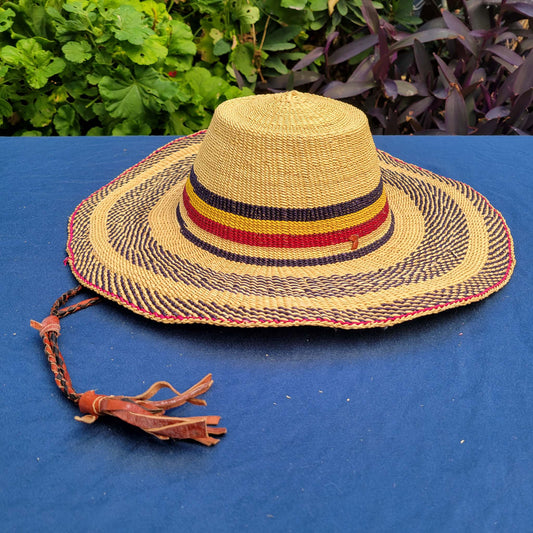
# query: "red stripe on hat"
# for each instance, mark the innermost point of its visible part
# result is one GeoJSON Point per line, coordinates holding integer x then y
{"type": "Point", "coordinates": [283, 240]}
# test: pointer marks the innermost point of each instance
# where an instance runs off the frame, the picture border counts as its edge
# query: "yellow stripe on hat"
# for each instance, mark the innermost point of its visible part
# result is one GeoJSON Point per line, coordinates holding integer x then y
{"type": "Point", "coordinates": [285, 227]}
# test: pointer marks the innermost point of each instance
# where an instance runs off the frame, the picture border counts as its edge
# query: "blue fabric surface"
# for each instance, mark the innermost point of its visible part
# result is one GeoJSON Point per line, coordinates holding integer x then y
{"type": "Point", "coordinates": [425, 426]}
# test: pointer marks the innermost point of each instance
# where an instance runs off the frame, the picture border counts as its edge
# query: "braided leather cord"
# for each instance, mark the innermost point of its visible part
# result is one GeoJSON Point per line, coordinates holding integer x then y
{"type": "Point", "coordinates": [140, 411]}
{"type": "Point", "coordinates": [50, 340]}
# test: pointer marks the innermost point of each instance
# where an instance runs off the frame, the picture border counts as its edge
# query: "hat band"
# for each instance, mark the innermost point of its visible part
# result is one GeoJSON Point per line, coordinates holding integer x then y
{"type": "Point", "coordinates": [265, 226]}
{"type": "Point", "coordinates": [327, 259]}
{"type": "Point", "coordinates": [257, 212]}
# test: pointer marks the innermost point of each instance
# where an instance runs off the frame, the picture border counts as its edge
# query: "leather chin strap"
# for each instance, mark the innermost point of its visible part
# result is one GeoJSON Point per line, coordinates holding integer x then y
{"type": "Point", "coordinates": [140, 411]}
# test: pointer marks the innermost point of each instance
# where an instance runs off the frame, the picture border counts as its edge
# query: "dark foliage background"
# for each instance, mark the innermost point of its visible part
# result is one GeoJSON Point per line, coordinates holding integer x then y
{"type": "Point", "coordinates": [102, 67]}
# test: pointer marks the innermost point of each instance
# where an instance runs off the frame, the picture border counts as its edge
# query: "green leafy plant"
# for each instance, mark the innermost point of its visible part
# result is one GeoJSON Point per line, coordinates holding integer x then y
{"type": "Point", "coordinates": [256, 40]}
{"type": "Point", "coordinates": [101, 67]}
{"type": "Point", "coordinates": [121, 67]}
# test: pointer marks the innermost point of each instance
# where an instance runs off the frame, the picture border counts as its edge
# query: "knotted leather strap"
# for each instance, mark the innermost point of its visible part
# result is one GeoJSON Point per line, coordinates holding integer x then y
{"type": "Point", "coordinates": [140, 410]}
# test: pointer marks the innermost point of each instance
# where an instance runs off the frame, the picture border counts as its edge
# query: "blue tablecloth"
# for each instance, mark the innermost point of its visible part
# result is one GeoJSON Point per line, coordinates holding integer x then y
{"type": "Point", "coordinates": [425, 426]}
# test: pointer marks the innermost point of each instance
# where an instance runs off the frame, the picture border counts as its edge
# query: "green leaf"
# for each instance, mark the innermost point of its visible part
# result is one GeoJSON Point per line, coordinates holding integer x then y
{"type": "Point", "coordinates": [205, 49]}
{"type": "Point", "coordinates": [216, 35]}
{"type": "Point", "coordinates": [39, 65]}
{"type": "Point", "coordinates": [206, 88]}
{"type": "Point", "coordinates": [221, 47]}
{"type": "Point", "coordinates": [150, 52]}
{"type": "Point", "coordinates": [178, 63]}
{"type": "Point", "coordinates": [246, 14]}
{"type": "Point", "coordinates": [122, 99]}
{"type": "Point", "coordinates": [276, 63]}
{"type": "Point", "coordinates": [132, 97]}
{"type": "Point", "coordinates": [318, 5]}
{"type": "Point", "coordinates": [96, 131]}
{"type": "Point", "coordinates": [6, 19]}
{"type": "Point", "coordinates": [274, 47]}
{"type": "Point", "coordinates": [342, 8]}
{"type": "Point", "coordinates": [181, 47]}
{"type": "Point", "coordinates": [132, 127]}
{"type": "Point", "coordinates": [129, 25]}
{"type": "Point", "coordinates": [243, 58]}
{"type": "Point", "coordinates": [294, 4]}
{"type": "Point", "coordinates": [42, 111]}
{"type": "Point", "coordinates": [56, 66]}
{"type": "Point", "coordinates": [66, 122]}
{"type": "Point", "coordinates": [283, 34]}
{"type": "Point", "coordinates": [74, 6]}
{"type": "Point", "coordinates": [83, 108]}
{"type": "Point", "coordinates": [37, 20]}
{"type": "Point", "coordinates": [77, 52]}
{"type": "Point", "coordinates": [180, 31]}
{"type": "Point", "coordinates": [175, 124]}
{"type": "Point", "coordinates": [103, 57]}
{"type": "Point", "coordinates": [5, 108]}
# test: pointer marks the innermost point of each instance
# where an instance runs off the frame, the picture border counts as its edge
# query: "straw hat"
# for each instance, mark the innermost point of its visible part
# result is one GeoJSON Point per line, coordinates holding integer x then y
{"type": "Point", "coordinates": [283, 213]}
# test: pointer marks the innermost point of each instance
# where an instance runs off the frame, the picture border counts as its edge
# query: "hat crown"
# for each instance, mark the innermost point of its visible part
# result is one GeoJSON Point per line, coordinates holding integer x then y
{"type": "Point", "coordinates": [288, 150]}
{"type": "Point", "coordinates": [286, 179]}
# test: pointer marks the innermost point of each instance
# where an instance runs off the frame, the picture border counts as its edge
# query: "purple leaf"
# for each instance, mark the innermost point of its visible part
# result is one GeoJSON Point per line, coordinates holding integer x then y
{"type": "Point", "coordinates": [463, 32]}
{"type": "Point", "coordinates": [370, 15]}
{"type": "Point", "coordinates": [330, 85]}
{"type": "Point", "coordinates": [425, 36]}
{"type": "Point", "coordinates": [520, 106]}
{"type": "Point", "coordinates": [478, 15]}
{"type": "Point", "coordinates": [477, 76]}
{"type": "Point", "coordinates": [455, 114]}
{"type": "Point", "coordinates": [378, 114]}
{"type": "Point", "coordinates": [415, 125]}
{"type": "Point", "coordinates": [421, 88]}
{"type": "Point", "coordinates": [526, 44]}
{"type": "Point", "coordinates": [441, 93]}
{"type": "Point", "coordinates": [507, 66]}
{"type": "Point", "coordinates": [381, 68]}
{"type": "Point", "coordinates": [486, 128]}
{"type": "Point", "coordinates": [309, 58]}
{"type": "Point", "coordinates": [446, 71]}
{"type": "Point", "coordinates": [316, 85]}
{"type": "Point", "coordinates": [346, 90]}
{"type": "Point", "coordinates": [405, 88]}
{"type": "Point", "coordinates": [482, 34]}
{"type": "Point", "coordinates": [519, 7]}
{"type": "Point", "coordinates": [440, 124]}
{"type": "Point", "coordinates": [352, 49]}
{"type": "Point", "coordinates": [497, 112]}
{"type": "Point", "coordinates": [331, 37]}
{"type": "Point", "coordinates": [519, 131]}
{"type": "Point", "coordinates": [391, 90]}
{"type": "Point", "coordinates": [416, 109]}
{"type": "Point", "coordinates": [238, 76]}
{"type": "Point", "coordinates": [297, 78]}
{"type": "Point", "coordinates": [505, 36]}
{"type": "Point", "coordinates": [506, 54]}
{"type": "Point", "coordinates": [363, 72]}
{"type": "Point", "coordinates": [422, 60]}
{"type": "Point", "coordinates": [505, 90]}
{"type": "Point", "coordinates": [523, 76]}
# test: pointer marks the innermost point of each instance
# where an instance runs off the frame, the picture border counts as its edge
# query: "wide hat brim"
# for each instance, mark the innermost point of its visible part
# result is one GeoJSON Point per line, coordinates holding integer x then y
{"type": "Point", "coordinates": [449, 247]}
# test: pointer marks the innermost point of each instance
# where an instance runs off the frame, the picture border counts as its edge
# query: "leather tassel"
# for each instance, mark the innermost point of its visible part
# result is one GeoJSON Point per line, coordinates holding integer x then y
{"type": "Point", "coordinates": [149, 415]}
{"type": "Point", "coordinates": [140, 411]}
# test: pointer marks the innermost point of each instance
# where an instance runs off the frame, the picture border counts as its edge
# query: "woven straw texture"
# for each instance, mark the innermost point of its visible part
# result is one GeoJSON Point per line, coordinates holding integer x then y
{"type": "Point", "coordinates": [284, 213]}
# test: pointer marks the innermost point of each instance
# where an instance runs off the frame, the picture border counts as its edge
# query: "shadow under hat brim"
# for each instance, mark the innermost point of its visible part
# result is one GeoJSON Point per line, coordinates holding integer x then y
{"type": "Point", "coordinates": [448, 247]}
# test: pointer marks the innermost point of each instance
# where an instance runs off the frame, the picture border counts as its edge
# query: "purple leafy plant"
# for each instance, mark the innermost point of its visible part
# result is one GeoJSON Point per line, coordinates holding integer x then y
{"type": "Point", "coordinates": [467, 72]}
